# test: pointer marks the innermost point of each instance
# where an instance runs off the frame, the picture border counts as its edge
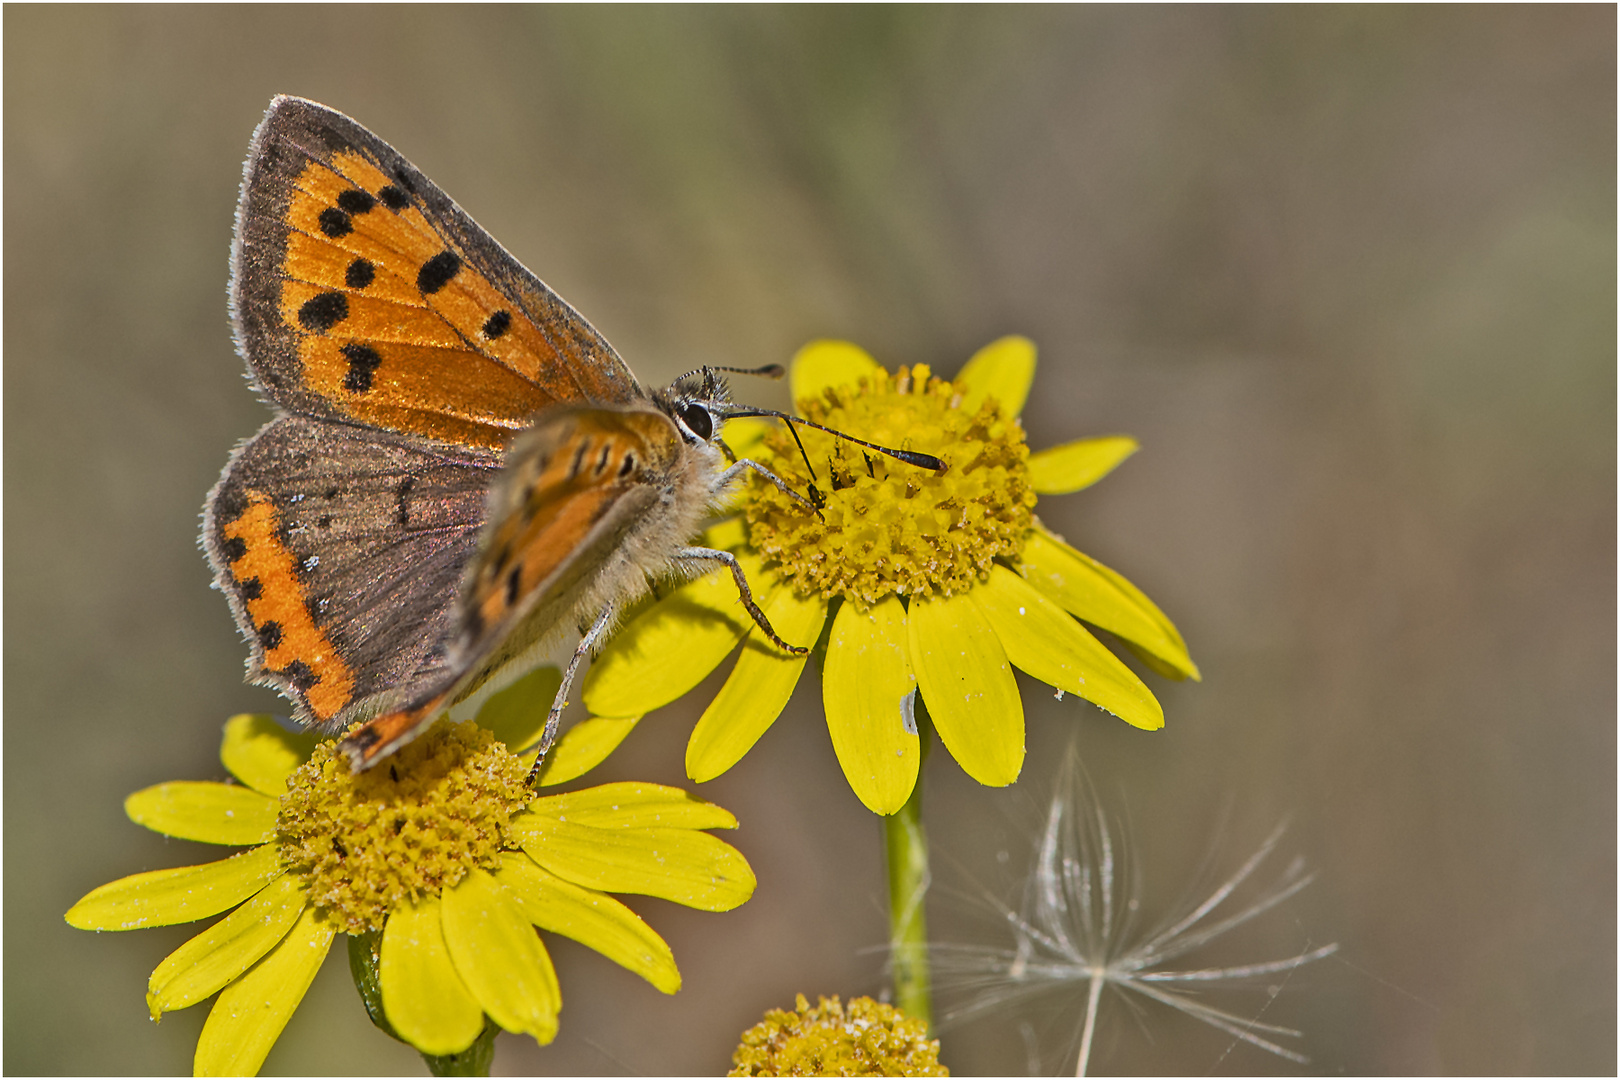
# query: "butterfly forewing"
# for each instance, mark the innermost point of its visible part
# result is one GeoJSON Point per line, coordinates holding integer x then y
{"type": "Point", "coordinates": [363, 293]}
{"type": "Point", "coordinates": [342, 551]}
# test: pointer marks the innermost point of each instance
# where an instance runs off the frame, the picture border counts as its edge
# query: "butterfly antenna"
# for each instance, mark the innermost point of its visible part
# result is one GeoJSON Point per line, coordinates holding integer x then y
{"type": "Point", "coordinates": [767, 371]}
{"type": "Point", "coordinates": [910, 457]}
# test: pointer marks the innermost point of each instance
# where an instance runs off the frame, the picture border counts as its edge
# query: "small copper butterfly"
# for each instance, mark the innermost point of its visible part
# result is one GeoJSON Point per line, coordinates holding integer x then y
{"type": "Point", "coordinates": [459, 466]}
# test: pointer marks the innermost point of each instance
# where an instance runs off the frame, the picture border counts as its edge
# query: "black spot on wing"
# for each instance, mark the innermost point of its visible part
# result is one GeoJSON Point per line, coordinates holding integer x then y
{"type": "Point", "coordinates": [360, 273]}
{"type": "Point", "coordinates": [356, 202]}
{"type": "Point", "coordinates": [363, 362]}
{"type": "Point", "coordinates": [437, 272]}
{"type": "Point", "coordinates": [394, 198]}
{"type": "Point", "coordinates": [513, 583]}
{"type": "Point", "coordinates": [270, 634]}
{"type": "Point", "coordinates": [252, 588]}
{"type": "Point", "coordinates": [320, 313]}
{"type": "Point", "coordinates": [497, 324]}
{"type": "Point", "coordinates": [335, 223]}
{"type": "Point", "coordinates": [233, 549]}
{"type": "Point", "coordinates": [300, 675]}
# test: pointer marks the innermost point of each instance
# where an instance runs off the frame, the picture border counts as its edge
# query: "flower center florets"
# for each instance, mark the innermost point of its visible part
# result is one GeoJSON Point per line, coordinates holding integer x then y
{"type": "Point", "coordinates": [412, 826]}
{"type": "Point", "coordinates": [889, 527]}
{"type": "Point", "coordinates": [862, 1038]}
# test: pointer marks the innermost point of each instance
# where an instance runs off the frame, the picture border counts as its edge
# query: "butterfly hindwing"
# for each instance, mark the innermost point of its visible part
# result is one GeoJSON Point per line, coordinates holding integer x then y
{"type": "Point", "coordinates": [362, 292]}
{"type": "Point", "coordinates": [342, 551]}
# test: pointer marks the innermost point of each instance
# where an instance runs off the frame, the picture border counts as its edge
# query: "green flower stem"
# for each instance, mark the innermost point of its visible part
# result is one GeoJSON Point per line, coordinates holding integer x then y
{"type": "Point", "coordinates": [907, 847]}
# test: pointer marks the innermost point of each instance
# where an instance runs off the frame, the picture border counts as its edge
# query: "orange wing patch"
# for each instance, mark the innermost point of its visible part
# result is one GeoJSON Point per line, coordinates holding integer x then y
{"type": "Point", "coordinates": [395, 326]}
{"type": "Point", "coordinates": [359, 268]}
{"type": "Point", "coordinates": [294, 647]}
{"type": "Point", "coordinates": [464, 298]}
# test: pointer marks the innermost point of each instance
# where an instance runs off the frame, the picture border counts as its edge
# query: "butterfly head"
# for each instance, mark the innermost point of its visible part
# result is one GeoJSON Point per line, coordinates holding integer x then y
{"type": "Point", "coordinates": [698, 402]}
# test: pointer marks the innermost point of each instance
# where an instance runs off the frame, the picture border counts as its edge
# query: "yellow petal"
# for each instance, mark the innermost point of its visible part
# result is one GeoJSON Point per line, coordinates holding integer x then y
{"type": "Point", "coordinates": [517, 714]}
{"type": "Point", "coordinates": [634, 804]}
{"type": "Point", "coordinates": [262, 754]}
{"type": "Point", "coordinates": [181, 894]}
{"type": "Point", "coordinates": [1044, 640]}
{"type": "Point", "coordinates": [249, 1014]}
{"type": "Point", "coordinates": [1091, 591]}
{"type": "Point", "coordinates": [222, 952]}
{"type": "Point", "coordinates": [424, 998]}
{"type": "Point", "coordinates": [583, 747]}
{"type": "Point", "coordinates": [673, 645]}
{"type": "Point", "coordinates": [1003, 370]}
{"type": "Point", "coordinates": [745, 433]}
{"type": "Point", "coordinates": [683, 865]}
{"type": "Point", "coordinates": [500, 957]}
{"type": "Point", "coordinates": [593, 919]}
{"type": "Point", "coordinates": [821, 364]}
{"type": "Point", "coordinates": [1059, 470]}
{"type": "Point", "coordinates": [968, 686]}
{"type": "Point", "coordinates": [866, 690]}
{"type": "Point", "coordinates": [204, 811]}
{"type": "Point", "coordinates": [757, 689]}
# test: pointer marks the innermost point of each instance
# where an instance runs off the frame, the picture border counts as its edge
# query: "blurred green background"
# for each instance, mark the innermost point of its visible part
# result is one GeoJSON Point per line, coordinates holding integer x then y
{"type": "Point", "coordinates": [1348, 273]}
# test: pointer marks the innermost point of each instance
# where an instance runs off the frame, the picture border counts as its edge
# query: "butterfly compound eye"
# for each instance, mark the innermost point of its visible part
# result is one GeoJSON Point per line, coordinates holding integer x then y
{"type": "Point", "coordinates": [697, 420]}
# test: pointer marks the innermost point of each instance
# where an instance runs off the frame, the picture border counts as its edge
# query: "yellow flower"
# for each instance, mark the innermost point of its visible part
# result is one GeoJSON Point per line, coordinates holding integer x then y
{"type": "Point", "coordinates": [441, 861]}
{"type": "Point", "coordinates": [933, 583]}
{"type": "Point", "coordinates": [864, 1038]}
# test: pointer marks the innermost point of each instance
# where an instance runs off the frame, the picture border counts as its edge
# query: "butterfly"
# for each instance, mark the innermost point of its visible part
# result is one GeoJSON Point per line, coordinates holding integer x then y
{"type": "Point", "coordinates": [460, 465]}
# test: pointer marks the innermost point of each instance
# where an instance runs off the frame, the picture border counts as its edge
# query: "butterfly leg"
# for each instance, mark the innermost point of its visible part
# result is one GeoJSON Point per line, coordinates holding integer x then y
{"type": "Point", "coordinates": [814, 503]}
{"type": "Point", "coordinates": [588, 642]}
{"type": "Point", "coordinates": [744, 593]}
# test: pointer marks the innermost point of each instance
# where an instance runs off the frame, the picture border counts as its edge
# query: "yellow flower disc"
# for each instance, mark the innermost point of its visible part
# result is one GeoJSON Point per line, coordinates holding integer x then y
{"type": "Point", "coordinates": [413, 826]}
{"type": "Point", "coordinates": [888, 527]}
{"type": "Point", "coordinates": [863, 1038]}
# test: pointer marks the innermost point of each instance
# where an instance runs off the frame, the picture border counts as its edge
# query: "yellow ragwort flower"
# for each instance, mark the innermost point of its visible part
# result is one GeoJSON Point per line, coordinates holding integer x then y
{"type": "Point", "coordinates": [934, 583]}
{"type": "Point", "coordinates": [864, 1038]}
{"type": "Point", "coordinates": [440, 858]}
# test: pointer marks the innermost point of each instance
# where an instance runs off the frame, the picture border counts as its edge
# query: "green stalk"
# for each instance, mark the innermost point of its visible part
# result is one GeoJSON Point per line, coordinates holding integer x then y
{"type": "Point", "coordinates": [906, 845]}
